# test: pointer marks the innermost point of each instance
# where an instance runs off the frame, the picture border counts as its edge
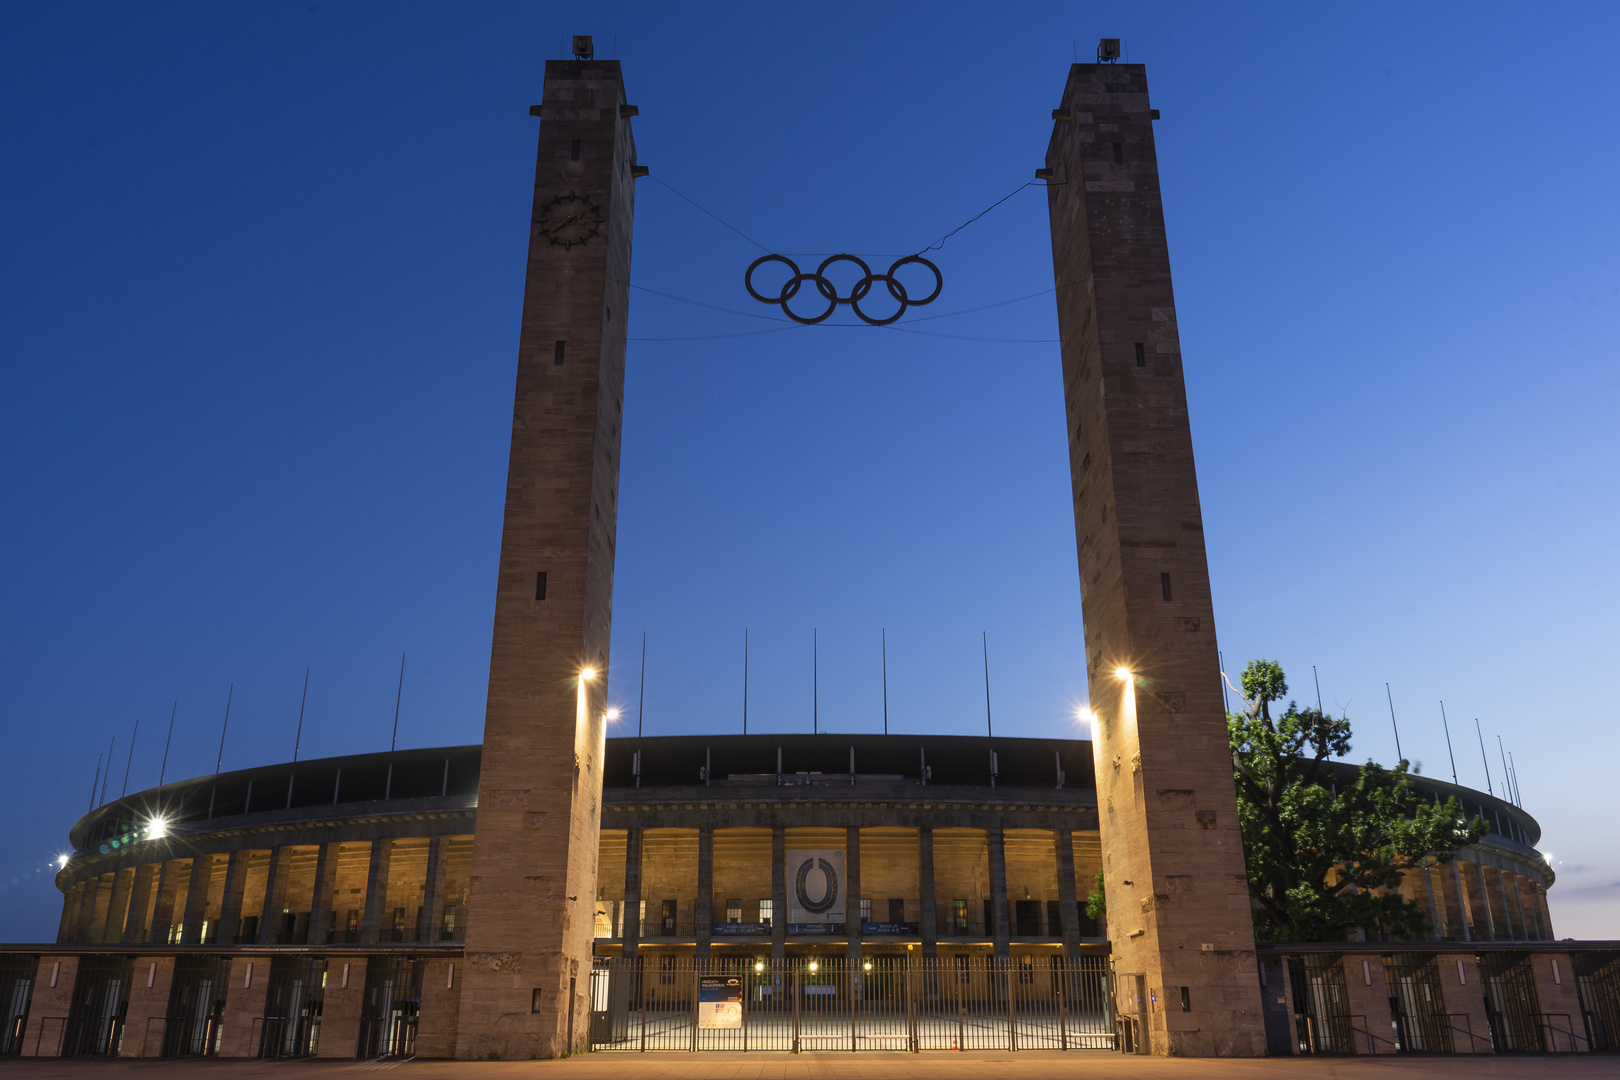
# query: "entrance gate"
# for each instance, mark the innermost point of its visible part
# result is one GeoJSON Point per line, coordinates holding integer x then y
{"type": "Point", "coordinates": [800, 1004]}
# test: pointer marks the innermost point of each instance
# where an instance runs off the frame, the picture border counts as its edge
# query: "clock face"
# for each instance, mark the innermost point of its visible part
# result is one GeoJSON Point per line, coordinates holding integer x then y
{"type": "Point", "coordinates": [569, 219]}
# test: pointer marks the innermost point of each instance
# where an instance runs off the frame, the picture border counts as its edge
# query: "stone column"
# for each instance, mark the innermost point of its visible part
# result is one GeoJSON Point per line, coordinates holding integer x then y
{"type": "Point", "coordinates": [72, 897]}
{"type": "Point", "coordinates": [778, 892]}
{"type": "Point", "coordinates": [428, 920]}
{"type": "Point", "coordinates": [1518, 901]}
{"type": "Point", "coordinates": [998, 892]}
{"type": "Point", "coordinates": [230, 902]}
{"type": "Point", "coordinates": [275, 895]}
{"type": "Point", "coordinates": [371, 922]}
{"type": "Point", "coordinates": [630, 927]}
{"type": "Point", "coordinates": [245, 996]}
{"type": "Point", "coordinates": [320, 901]}
{"type": "Point", "coordinates": [703, 910]}
{"type": "Point", "coordinates": [118, 907]}
{"type": "Point", "coordinates": [140, 899]}
{"type": "Point", "coordinates": [168, 887]}
{"type": "Point", "coordinates": [345, 996]}
{"type": "Point", "coordinates": [852, 893]}
{"type": "Point", "coordinates": [53, 997]}
{"type": "Point", "coordinates": [1462, 904]}
{"type": "Point", "coordinates": [929, 922]}
{"type": "Point", "coordinates": [151, 979]}
{"type": "Point", "coordinates": [1485, 899]}
{"type": "Point", "coordinates": [1535, 912]}
{"type": "Point", "coordinates": [96, 930]}
{"type": "Point", "coordinates": [441, 991]}
{"type": "Point", "coordinates": [202, 873]}
{"type": "Point", "coordinates": [85, 917]}
{"type": "Point", "coordinates": [1069, 890]}
{"type": "Point", "coordinates": [1516, 932]}
{"type": "Point", "coordinates": [1434, 908]}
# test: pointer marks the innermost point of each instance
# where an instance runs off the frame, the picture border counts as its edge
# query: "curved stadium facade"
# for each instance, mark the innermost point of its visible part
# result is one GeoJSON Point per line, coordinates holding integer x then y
{"type": "Point", "coordinates": [320, 907]}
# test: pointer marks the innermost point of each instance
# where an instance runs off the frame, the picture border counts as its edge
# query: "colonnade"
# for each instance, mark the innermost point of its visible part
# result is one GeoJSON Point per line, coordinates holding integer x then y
{"type": "Point", "coordinates": [951, 884]}
{"type": "Point", "coordinates": [1480, 896]}
{"type": "Point", "coordinates": [354, 892]}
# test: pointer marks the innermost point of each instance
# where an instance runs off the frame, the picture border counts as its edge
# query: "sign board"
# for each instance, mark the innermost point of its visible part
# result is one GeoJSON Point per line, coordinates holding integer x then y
{"type": "Point", "coordinates": [815, 886]}
{"type": "Point", "coordinates": [720, 1001]}
{"type": "Point", "coordinates": [740, 929]}
{"type": "Point", "coordinates": [879, 929]}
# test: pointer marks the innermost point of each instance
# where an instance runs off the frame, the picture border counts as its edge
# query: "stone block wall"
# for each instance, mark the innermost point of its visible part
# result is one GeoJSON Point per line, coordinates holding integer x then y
{"type": "Point", "coordinates": [53, 993]}
{"type": "Point", "coordinates": [340, 1010]}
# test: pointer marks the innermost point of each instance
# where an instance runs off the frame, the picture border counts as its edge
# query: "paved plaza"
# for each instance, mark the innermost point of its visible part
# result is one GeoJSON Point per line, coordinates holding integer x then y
{"type": "Point", "coordinates": [827, 1066]}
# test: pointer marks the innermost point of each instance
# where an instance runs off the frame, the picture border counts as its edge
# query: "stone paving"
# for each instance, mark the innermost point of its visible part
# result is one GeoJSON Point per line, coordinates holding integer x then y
{"type": "Point", "coordinates": [867, 1066]}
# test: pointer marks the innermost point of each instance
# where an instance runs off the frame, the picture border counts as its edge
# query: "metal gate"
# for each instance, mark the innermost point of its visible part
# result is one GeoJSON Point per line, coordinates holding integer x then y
{"type": "Point", "coordinates": [392, 1004]}
{"type": "Point", "coordinates": [292, 1011]}
{"type": "Point", "coordinates": [95, 1021]}
{"type": "Point", "coordinates": [1321, 1004]}
{"type": "Point", "coordinates": [196, 1006]}
{"type": "Point", "coordinates": [1417, 1007]}
{"type": "Point", "coordinates": [1597, 980]}
{"type": "Point", "coordinates": [16, 991]}
{"type": "Point", "coordinates": [1511, 1007]}
{"type": "Point", "coordinates": [665, 1002]}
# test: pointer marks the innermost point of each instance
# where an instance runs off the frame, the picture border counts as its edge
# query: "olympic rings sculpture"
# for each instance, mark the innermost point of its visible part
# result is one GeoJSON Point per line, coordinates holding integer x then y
{"type": "Point", "coordinates": [829, 291]}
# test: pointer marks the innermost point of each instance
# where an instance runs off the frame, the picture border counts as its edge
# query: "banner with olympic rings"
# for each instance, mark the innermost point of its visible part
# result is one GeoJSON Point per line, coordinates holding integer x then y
{"type": "Point", "coordinates": [815, 885]}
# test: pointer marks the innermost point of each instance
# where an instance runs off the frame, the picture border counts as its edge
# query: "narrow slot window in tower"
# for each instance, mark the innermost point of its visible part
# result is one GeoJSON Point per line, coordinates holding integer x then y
{"type": "Point", "coordinates": [557, 353]}
{"type": "Point", "coordinates": [1141, 355]}
{"type": "Point", "coordinates": [1119, 153]}
{"type": "Point", "coordinates": [573, 151]}
{"type": "Point", "coordinates": [540, 585]}
{"type": "Point", "coordinates": [1164, 585]}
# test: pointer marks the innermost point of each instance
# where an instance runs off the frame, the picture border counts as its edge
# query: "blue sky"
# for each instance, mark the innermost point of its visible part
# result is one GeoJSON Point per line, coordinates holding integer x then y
{"type": "Point", "coordinates": [260, 295]}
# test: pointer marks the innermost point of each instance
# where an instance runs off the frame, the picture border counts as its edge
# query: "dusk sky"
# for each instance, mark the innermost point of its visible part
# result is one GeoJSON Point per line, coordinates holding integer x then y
{"type": "Point", "coordinates": [259, 305]}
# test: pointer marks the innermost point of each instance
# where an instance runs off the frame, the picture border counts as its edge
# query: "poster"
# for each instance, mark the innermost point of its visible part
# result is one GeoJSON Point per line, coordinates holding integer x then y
{"type": "Point", "coordinates": [815, 888]}
{"type": "Point", "coordinates": [720, 1001]}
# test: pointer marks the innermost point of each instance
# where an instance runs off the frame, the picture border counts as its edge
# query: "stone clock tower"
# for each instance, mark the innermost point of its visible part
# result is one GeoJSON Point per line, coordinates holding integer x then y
{"type": "Point", "coordinates": [534, 870]}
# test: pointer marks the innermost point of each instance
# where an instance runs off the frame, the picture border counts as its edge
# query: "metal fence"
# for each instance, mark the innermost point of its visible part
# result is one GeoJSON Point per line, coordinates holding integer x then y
{"type": "Point", "coordinates": [877, 1003]}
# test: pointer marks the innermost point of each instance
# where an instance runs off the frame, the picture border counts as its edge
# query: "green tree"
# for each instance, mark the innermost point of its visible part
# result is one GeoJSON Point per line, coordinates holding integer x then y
{"type": "Point", "coordinates": [1326, 852]}
{"type": "Point", "coordinates": [1097, 901]}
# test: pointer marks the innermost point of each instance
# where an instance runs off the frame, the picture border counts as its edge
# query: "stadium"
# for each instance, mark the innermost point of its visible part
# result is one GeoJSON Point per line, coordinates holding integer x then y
{"type": "Point", "coordinates": [320, 907]}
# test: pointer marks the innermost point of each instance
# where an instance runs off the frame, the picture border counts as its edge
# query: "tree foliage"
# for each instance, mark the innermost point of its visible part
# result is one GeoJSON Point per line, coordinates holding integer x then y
{"type": "Point", "coordinates": [1326, 852]}
{"type": "Point", "coordinates": [1097, 901]}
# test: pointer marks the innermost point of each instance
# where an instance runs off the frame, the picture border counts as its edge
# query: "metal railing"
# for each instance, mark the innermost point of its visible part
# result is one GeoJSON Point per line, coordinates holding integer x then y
{"type": "Point", "coordinates": [880, 1003]}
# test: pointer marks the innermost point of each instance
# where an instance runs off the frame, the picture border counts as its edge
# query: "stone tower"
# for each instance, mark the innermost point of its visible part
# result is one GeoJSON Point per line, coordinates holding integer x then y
{"type": "Point", "coordinates": [1178, 907]}
{"type": "Point", "coordinates": [534, 868]}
